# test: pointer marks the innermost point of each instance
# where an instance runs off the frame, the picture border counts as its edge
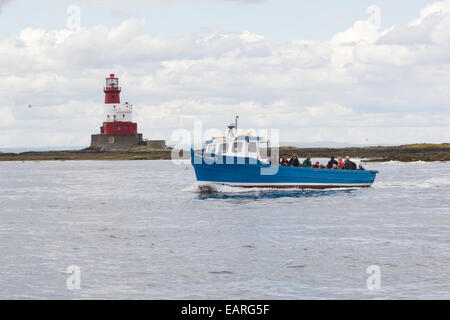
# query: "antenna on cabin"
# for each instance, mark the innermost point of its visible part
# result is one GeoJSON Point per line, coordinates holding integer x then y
{"type": "Point", "coordinates": [236, 122]}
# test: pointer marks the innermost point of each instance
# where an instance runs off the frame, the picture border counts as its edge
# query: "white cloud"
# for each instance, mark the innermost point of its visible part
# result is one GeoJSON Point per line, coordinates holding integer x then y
{"type": "Point", "coordinates": [362, 84]}
{"type": "Point", "coordinates": [438, 7]}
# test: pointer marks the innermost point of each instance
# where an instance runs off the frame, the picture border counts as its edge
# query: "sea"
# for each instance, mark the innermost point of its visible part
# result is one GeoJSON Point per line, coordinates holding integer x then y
{"type": "Point", "coordinates": [143, 230]}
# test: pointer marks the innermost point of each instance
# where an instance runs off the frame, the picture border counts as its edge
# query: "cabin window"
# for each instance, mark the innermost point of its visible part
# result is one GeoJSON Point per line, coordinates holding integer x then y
{"type": "Point", "coordinates": [223, 148]}
{"type": "Point", "coordinates": [252, 148]}
{"type": "Point", "coordinates": [211, 148]}
{"type": "Point", "coordinates": [237, 147]}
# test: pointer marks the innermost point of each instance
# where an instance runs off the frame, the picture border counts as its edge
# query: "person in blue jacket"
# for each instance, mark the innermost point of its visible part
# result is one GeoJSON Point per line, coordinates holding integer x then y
{"type": "Point", "coordinates": [331, 162]}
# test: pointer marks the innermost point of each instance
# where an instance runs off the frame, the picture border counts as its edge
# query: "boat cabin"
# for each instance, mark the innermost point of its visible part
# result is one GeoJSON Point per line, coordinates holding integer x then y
{"type": "Point", "coordinates": [244, 145]}
{"type": "Point", "coordinates": [240, 147]}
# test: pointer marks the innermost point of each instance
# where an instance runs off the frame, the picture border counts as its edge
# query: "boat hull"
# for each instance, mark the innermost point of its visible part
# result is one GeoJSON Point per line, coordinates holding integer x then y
{"type": "Point", "coordinates": [250, 173]}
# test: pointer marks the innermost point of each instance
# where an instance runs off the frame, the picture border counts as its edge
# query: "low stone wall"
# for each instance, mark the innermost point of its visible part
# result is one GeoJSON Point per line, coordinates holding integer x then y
{"type": "Point", "coordinates": [109, 142]}
{"type": "Point", "coordinates": [157, 144]}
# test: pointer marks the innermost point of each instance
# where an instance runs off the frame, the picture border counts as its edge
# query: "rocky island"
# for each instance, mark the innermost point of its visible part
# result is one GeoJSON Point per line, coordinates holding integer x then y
{"type": "Point", "coordinates": [406, 153]}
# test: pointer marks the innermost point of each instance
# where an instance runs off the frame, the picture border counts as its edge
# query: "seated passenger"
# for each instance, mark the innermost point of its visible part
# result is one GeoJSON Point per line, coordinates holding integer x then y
{"type": "Point", "coordinates": [349, 165]}
{"type": "Point", "coordinates": [321, 166]}
{"type": "Point", "coordinates": [334, 166]}
{"type": "Point", "coordinates": [284, 162]}
{"type": "Point", "coordinates": [316, 165]}
{"type": "Point", "coordinates": [360, 166]}
{"type": "Point", "coordinates": [331, 162]}
{"type": "Point", "coordinates": [340, 162]}
{"type": "Point", "coordinates": [294, 162]}
{"type": "Point", "coordinates": [307, 163]}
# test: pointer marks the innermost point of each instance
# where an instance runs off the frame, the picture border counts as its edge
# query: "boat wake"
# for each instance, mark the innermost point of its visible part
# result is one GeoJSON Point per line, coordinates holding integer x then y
{"type": "Point", "coordinates": [434, 182]}
{"type": "Point", "coordinates": [220, 191]}
{"type": "Point", "coordinates": [213, 188]}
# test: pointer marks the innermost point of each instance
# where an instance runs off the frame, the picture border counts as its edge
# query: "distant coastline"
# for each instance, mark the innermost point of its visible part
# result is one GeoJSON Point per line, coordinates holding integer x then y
{"type": "Point", "coordinates": [405, 153]}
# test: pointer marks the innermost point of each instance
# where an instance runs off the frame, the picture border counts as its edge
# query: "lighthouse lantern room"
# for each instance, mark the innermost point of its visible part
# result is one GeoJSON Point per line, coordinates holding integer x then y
{"type": "Point", "coordinates": [118, 118]}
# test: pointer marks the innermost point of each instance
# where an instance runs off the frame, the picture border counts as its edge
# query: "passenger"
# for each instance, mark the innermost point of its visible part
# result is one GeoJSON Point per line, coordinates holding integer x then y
{"type": "Point", "coordinates": [294, 162]}
{"type": "Point", "coordinates": [321, 166]}
{"type": "Point", "coordinates": [284, 162]}
{"type": "Point", "coordinates": [360, 166]}
{"type": "Point", "coordinates": [331, 162]}
{"type": "Point", "coordinates": [307, 163]}
{"type": "Point", "coordinates": [340, 162]}
{"type": "Point", "coordinates": [334, 166]}
{"type": "Point", "coordinates": [349, 165]}
{"type": "Point", "coordinates": [316, 165]}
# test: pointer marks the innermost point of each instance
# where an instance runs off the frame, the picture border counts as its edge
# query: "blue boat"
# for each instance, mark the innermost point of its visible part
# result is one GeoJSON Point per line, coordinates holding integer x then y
{"type": "Point", "coordinates": [235, 160]}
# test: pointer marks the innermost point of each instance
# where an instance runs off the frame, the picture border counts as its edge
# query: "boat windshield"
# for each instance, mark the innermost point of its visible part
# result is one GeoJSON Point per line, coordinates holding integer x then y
{"type": "Point", "coordinates": [252, 147]}
{"type": "Point", "coordinates": [211, 148]}
{"type": "Point", "coordinates": [234, 148]}
{"type": "Point", "coordinates": [237, 147]}
{"type": "Point", "coordinates": [223, 148]}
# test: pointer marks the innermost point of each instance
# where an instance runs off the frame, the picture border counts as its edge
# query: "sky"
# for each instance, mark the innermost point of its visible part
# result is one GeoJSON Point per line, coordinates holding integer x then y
{"type": "Point", "coordinates": [351, 72]}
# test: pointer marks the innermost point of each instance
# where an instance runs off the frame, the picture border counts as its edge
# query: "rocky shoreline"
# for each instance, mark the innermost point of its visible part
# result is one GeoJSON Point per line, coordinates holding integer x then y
{"type": "Point", "coordinates": [67, 155]}
{"type": "Point", "coordinates": [406, 153]}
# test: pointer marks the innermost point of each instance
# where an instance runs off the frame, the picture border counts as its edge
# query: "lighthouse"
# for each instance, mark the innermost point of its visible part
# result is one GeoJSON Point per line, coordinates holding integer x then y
{"type": "Point", "coordinates": [118, 132]}
{"type": "Point", "coordinates": [118, 118]}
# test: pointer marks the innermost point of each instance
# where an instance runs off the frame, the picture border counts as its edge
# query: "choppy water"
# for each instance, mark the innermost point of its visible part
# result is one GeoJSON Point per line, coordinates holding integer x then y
{"type": "Point", "coordinates": [140, 229]}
